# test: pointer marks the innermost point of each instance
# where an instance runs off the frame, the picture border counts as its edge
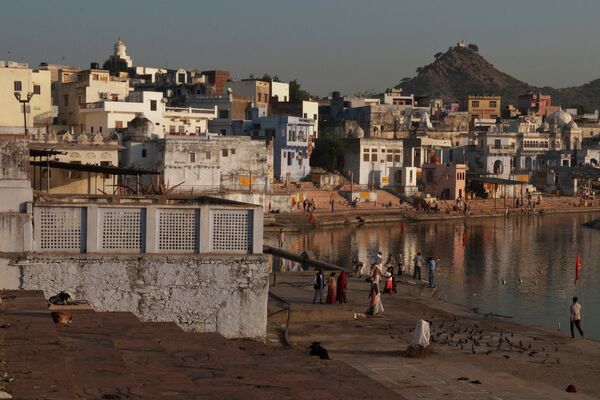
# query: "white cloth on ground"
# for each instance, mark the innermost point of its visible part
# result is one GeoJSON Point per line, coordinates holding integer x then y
{"type": "Point", "coordinates": [421, 335]}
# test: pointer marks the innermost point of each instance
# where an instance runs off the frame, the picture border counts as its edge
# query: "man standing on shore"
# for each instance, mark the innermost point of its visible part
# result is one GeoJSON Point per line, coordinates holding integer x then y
{"type": "Point", "coordinates": [576, 317]}
{"type": "Point", "coordinates": [431, 270]}
{"type": "Point", "coordinates": [418, 263]}
{"type": "Point", "coordinates": [319, 283]}
{"type": "Point", "coordinates": [400, 263]}
{"type": "Point", "coordinates": [281, 238]}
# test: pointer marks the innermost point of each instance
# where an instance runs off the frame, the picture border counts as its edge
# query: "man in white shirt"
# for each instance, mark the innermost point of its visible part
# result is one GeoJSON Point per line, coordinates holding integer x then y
{"type": "Point", "coordinates": [418, 263]}
{"type": "Point", "coordinates": [576, 317]}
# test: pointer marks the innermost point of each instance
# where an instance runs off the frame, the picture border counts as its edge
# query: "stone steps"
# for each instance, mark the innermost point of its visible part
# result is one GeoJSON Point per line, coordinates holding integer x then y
{"type": "Point", "coordinates": [32, 351]}
{"type": "Point", "coordinates": [103, 355]}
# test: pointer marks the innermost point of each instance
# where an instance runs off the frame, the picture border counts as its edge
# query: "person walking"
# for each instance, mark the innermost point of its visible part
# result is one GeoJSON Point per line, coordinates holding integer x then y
{"type": "Point", "coordinates": [281, 238]}
{"type": "Point", "coordinates": [418, 263]}
{"type": "Point", "coordinates": [576, 317]}
{"type": "Point", "coordinates": [342, 285]}
{"type": "Point", "coordinates": [331, 289]}
{"type": "Point", "coordinates": [319, 284]}
{"type": "Point", "coordinates": [431, 270]}
{"type": "Point", "coordinates": [332, 203]}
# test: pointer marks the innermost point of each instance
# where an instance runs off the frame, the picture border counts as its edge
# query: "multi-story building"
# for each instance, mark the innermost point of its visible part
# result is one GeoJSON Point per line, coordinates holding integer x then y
{"type": "Point", "coordinates": [196, 164]}
{"type": "Point", "coordinates": [374, 162]}
{"type": "Point", "coordinates": [107, 116]}
{"type": "Point", "coordinates": [292, 141]}
{"type": "Point", "coordinates": [75, 90]}
{"type": "Point", "coordinates": [230, 107]}
{"type": "Point", "coordinates": [19, 78]}
{"type": "Point", "coordinates": [258, 90]}
{"type": "Point", "coordinates": [482, 107]}
{"type": "Point", "coordinates": [302, 109]}
{"type": "Point", "coordinates": [536, 103]}
{"type": "Point", "coordinates": [445, 181]}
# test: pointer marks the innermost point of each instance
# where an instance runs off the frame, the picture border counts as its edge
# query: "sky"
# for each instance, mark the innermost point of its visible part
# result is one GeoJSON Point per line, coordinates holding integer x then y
{"type": "Point", "coordinates": [353, 46]}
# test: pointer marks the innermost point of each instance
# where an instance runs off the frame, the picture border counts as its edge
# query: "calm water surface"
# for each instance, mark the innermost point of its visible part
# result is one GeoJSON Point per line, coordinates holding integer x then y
{"type": "Point", "coordinates": [483, 261]}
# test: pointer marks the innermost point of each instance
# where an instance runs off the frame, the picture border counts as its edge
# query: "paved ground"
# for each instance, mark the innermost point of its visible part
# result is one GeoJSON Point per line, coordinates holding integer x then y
{"type": "Point", "coordinates": [375, 347]}
{"type": "Point", "coordinates": [115, 356]}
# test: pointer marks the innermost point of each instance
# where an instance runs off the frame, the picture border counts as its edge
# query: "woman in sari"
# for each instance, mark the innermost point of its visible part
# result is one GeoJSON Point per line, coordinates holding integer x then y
{"type": "Point", "coordinates": [375, 306]}
{"type": "Point", "coordinates": [389, 281]}
{"type": "Point", "coordinates": [342, 285]}
{"type": "Point", "coordinates": [331, 289]}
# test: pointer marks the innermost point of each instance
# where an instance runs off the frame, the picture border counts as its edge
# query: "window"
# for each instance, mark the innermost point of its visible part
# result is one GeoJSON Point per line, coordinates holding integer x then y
{"type": "Point", "coordinates": [198, 129]}
{"type": "Point", "coordinates": [181, 77]}
{"type": "Point", "coordinates": [152, 105]}
{"type": "Point", "coordinates": [172, 129]}
{"type": "Point", "coordinates": [224, 114]}
{"type": "Point", "coordinates": [497, 144]}
{"type": "Point", "coordinates": [181, 129]}
{"type": "Point", "coordinates": [493, 103]}
{"type": "Point", "coordinates": [193, 157]}
{"type": "Point", "coordinates": [305, 115]}
{"type": "Point", "coordinates": [144, 153]}
{"type": "Point", "coordinates": [207, 155]}
{"type": "Point", "coordinates": [95, 77]}
{"type": "Point", "coordinates": [232, 151]}
{"type": "Point", "coordinates": [225, 153]}
{"type": "Point", "coordinates": [66, 100]}
{"type": "Point", "coordinates": [18, 87]}
{"type": "Point", "coordinates": [118, 124]}
{"type": "Point", "coordinates": [373, 156]}
{"type": "Point", "coordinates": [289, 159]}
{"type": "Point", "coordinates": [79, 99]}
{"type": "Point", "coordinates": [37, 89]}
{"type": "Point", "coordinates": [105, 164]}
{"type": "Point", "coordinates": [92, 129]}
{"type": "Point", "coordinates": [390, 157]}
{"type": "Point", "coordinates": [366, 155]}
{"type": "Point", "coordinates": [315, 117]}
{"type": "Point", "coordinates": [100, 129]}
{"type": "Point", "coordinates": [475, 103]}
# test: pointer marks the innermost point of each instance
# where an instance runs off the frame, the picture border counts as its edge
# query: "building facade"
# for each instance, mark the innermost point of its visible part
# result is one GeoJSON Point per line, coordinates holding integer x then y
{"type": "Point", "coordinates": [375, 163]}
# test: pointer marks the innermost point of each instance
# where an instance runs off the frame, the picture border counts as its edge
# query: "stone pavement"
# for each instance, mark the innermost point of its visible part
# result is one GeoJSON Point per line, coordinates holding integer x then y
{"type": "Point", "coordinates": [115, 356]}
{"type": "Point", "coordinates": [374, 347]}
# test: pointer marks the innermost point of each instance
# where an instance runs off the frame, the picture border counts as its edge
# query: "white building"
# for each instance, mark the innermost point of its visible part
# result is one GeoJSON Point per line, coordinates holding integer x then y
{"type": "Point", "coordinates": [374, 162]}
{"type": "Point", "coordinates": [280, 90]}
{"type": "Point", "coordinates": [107, 116]}
{"type": "Point", "coordinates": [196, 164]}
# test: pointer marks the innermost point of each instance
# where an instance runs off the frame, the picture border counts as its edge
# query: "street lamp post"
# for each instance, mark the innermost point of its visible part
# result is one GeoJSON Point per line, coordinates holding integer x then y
{"type": "Point", "coordinates": [24, 103]}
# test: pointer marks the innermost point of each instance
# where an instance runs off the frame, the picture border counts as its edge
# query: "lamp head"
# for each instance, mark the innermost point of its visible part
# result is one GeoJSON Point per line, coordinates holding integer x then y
{"type": "Point", "coordinates": [29, 95]}
{"type": "Point", "coordinates": [18, 96]}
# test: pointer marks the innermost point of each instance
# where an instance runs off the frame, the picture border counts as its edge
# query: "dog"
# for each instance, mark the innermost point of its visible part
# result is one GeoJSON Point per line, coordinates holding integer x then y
{"type": "Point", "coordinates": [63, 298]}
{"type": "Point", "coordinates": [315, 349]}
{"type": "Point", "coordinates": [61, 317]}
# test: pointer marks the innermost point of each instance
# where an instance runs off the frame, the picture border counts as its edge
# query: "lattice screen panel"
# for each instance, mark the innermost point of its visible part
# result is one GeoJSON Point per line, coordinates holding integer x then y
{"type": "Point", "coordinates": [121, 229]}
{"type": "Point", "coordinates": [231, 231]}
{"type": "Point", "coordinates": [60, 228]}
{"type": "Point", "coordinates": [178, 230]}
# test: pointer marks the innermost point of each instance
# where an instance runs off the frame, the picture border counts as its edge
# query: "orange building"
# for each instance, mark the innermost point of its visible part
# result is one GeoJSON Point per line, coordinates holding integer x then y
{"type": "Point", "coordinates": [482, 107]}
{"type": "Point", "coordinates": [444, 181]}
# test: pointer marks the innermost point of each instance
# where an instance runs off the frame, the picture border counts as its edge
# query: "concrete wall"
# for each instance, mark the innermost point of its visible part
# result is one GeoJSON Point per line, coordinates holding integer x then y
{"type": "Point", "coordinates": [224, 294]}
{"type": "Point", "coordinates": [16, 232]}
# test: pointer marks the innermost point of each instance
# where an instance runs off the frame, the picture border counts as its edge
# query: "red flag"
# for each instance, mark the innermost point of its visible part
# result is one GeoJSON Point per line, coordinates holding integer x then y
{"type": "Point", "coordinates": [577, 268]}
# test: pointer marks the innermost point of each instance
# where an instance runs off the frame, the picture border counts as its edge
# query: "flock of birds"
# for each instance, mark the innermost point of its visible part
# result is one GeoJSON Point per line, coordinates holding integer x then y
{"type": "Point", "coordinates": [477, 340]}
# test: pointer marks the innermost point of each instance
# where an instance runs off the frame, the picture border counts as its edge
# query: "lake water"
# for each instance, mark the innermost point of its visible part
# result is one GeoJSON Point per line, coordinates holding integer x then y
{"type": "Point", "coordinates": [522, 266]}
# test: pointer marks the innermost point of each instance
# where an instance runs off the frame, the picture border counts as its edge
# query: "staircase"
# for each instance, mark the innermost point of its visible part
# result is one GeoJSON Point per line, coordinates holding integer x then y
{"type": "Point", "coordinates": [102, 355]}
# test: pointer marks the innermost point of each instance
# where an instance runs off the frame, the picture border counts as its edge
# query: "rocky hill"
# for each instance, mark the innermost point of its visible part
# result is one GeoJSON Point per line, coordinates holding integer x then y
{"type": "Point", "coordinates": [462, 71]}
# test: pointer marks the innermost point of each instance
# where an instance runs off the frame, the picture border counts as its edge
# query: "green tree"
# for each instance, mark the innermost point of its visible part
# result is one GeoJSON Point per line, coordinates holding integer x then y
{"type": "Point", "coordinates": [329, 153]}
{"type": "Point", "coordinates": [473, 47]}
{"type": "Point", "coordinates": [437, 55]}
{"type": "Point", "coordinates": [297, 93]}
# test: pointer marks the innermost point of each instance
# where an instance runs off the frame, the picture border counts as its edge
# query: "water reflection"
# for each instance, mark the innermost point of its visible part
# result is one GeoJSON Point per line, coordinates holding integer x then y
{"type": "Point", "coordinates": [523, 266]}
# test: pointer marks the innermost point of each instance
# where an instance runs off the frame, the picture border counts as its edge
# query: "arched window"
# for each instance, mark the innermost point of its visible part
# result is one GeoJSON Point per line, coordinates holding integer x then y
{"type": "Point", "coordinates": [498, 167]}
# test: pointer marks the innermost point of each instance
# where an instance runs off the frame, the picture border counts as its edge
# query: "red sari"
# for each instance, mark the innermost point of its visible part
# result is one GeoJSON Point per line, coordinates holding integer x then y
{"type": "Point", "coordinates": [331, 290]}
{"type": "Point", "coordinates": [342, 285]}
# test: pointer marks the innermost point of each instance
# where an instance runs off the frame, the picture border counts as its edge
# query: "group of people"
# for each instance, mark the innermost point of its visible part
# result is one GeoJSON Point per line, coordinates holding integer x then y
{"type": "Point", "coordinates": [308, 205]}
{"type": "Point", "coordinates": [419, 263]}
{"type": "Point", "coordinates": [336, 288]}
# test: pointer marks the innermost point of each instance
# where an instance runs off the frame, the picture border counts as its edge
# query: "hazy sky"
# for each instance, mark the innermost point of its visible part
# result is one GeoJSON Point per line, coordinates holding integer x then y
{"type": "Point", "coordinates": [347, 45]}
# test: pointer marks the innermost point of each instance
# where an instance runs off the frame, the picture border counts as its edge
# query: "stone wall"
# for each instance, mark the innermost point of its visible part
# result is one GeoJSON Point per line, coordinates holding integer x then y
{"type": "Point", "coordinates": [203, 293]}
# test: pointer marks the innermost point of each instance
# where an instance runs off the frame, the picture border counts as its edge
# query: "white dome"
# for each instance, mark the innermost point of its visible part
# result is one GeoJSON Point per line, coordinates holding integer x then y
{"type": "Point", "coordinates": [545, 126]}
{"type": "Point", "coordinates": [357, 133]}
{"type": "Point", "coordinates": [572, 125]}
{"type": "Point", "coordinates": [559, 118]}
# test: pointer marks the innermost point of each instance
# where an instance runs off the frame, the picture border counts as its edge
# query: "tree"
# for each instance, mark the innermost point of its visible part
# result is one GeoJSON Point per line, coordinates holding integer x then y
{"type": "Point", "coordinates": [268, 77]}
{"type": "Point", "coordinates": [329, 153]}
{"type": "Point", "coordinates": [437, 55]}
{"type": "Point", "coordinates": [297, 93]}
{"type": "Point", "coordinates": [473, 47]}
{"type": "Point", "coordinates": [406, 78]}
{"type": "Point", "coordinates": [420, 70]}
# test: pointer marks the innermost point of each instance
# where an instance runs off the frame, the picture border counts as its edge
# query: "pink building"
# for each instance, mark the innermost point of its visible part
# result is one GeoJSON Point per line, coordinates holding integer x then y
{"type": "Point", "coordinates": [444, 181]}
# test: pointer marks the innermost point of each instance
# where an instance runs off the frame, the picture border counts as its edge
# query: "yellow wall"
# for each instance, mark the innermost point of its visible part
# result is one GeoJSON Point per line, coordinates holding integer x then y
{"type": "Point", "coordinates": [11, 114]}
